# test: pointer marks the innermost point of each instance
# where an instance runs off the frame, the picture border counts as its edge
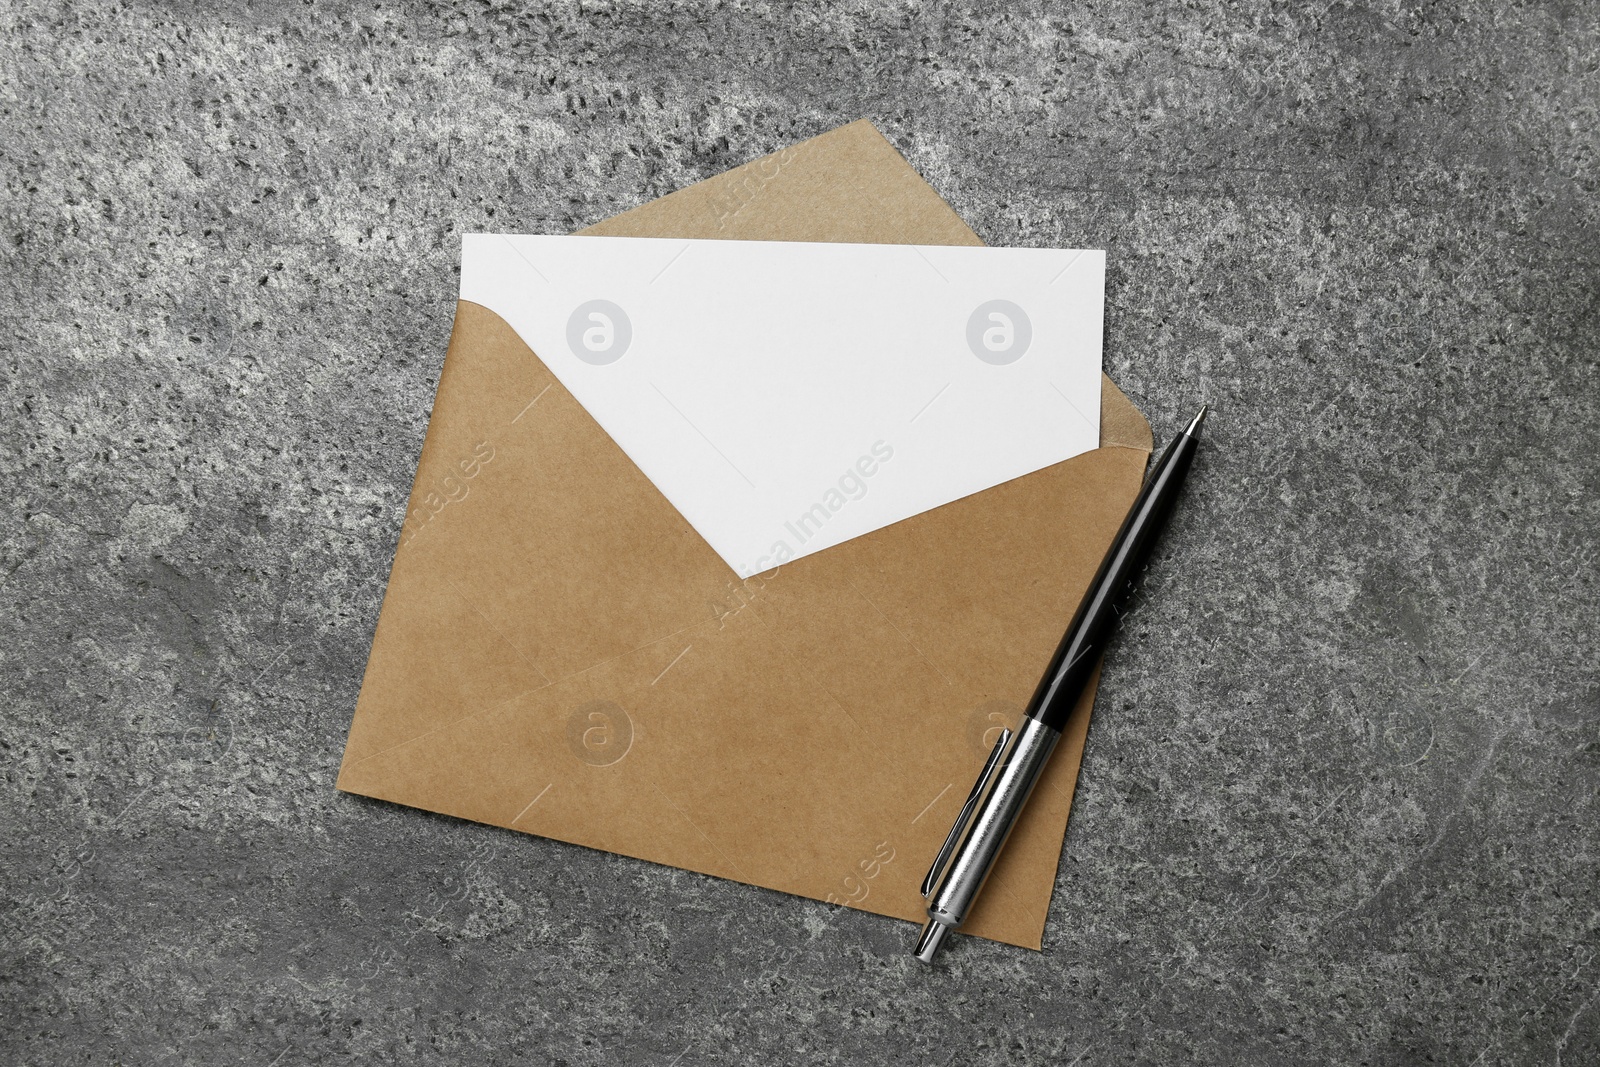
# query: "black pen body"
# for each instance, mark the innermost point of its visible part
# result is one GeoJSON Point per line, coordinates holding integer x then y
{"type": "Point", "coordinates": [997, 799]}
{"type": "Point", "coordinates": [1102, 606]}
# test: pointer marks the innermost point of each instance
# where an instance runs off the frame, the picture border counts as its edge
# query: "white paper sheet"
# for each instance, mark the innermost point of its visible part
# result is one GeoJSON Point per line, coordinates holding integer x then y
{"type": "Point", "coordinates": [786, 397]}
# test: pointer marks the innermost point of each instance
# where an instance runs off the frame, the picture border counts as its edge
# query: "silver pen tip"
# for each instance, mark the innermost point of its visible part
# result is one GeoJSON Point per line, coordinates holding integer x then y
{"type": "Point", "coordinates": [1194, 427]}
{"type": "Point", "coordinates": [928, 944]}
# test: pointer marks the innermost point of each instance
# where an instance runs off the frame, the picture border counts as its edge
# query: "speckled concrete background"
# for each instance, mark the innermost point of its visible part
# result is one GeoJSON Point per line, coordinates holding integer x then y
{"type": "Point", "coordinates": [1341, 803]}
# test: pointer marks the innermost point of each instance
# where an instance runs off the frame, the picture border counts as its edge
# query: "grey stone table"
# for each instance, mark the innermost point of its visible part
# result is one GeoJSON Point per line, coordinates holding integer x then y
{"type": "Point", "coordinates": [1339, 803]}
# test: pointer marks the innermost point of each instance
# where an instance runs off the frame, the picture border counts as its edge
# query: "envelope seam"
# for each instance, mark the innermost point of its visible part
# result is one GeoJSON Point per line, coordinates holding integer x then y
{"type": "Point", "coordinates": [497, 632]}
{"type": "Point", "coordinates": [800, 665]}
{"type": "Point", "coordinates": [703, 835]}
{"type": "Point", "coordinates": [909, 643]}
{"type": "Point", "coordinates": [625, 655]}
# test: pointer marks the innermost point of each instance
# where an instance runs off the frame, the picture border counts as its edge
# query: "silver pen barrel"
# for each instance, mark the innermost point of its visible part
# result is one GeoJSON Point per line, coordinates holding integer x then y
{"type": "Point", "coordinates": [985, 821]}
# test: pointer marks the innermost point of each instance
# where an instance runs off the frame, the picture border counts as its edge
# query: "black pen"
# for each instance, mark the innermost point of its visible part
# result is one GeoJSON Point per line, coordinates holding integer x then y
{"type": "Point", "coordinates": [980, 831]}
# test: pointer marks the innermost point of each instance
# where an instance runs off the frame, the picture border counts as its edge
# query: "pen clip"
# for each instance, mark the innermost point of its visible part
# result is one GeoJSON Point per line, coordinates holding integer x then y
{"type": "Point", "coordinates": [946, 850]}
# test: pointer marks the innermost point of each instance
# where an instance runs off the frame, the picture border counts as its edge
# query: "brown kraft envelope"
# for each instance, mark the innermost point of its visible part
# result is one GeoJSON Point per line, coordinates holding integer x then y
{"type": "Point", "coordinates": [560, 653]}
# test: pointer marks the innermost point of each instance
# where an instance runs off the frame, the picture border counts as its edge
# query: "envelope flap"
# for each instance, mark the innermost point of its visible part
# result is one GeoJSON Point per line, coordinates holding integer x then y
{"type": "Point", "coordinates": [847, 185]}
{"type": "Point", "coordinates": [1121, 424]}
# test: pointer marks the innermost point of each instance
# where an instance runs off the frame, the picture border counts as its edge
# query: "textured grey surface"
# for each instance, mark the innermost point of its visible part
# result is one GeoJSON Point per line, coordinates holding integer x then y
{"type": "Point", "coordinates": [1341, 802]}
